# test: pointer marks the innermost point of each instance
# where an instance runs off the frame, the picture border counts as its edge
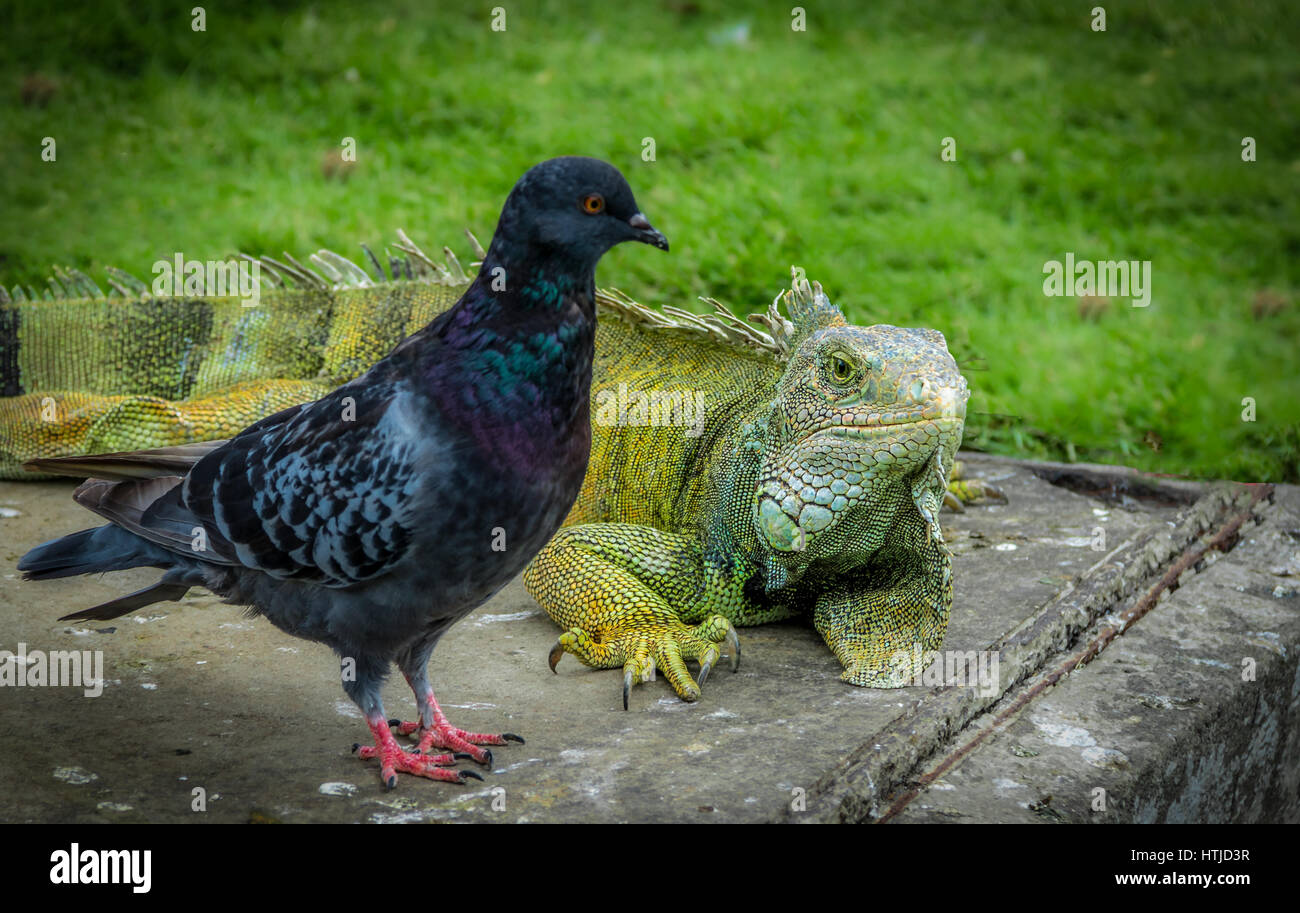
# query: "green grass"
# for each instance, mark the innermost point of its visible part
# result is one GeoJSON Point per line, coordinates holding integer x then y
{"type": "Point", "coordinates": [818, 148]}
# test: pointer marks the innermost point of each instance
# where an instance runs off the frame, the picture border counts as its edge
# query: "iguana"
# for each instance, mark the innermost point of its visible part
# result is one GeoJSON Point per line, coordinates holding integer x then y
{"type": "Point", "coordinates": [807, 481]}
{"type": "Point", "coordinates": [737, 476]}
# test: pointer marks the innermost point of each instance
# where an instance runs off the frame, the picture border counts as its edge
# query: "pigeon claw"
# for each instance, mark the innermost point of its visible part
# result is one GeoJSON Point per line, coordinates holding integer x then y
{"type": "Point", "coordinates": [464, 745]}
{"type": "Point", "coordinates": [440, 733]}
{"type": "Point", "coordinates": [402, 728]}
{"type": "Point", "coordinates": [394, 759]}
{"type": "Point", "coordinates": [398, 761]}
{"type": "Point", "coordinates": [470, 775]}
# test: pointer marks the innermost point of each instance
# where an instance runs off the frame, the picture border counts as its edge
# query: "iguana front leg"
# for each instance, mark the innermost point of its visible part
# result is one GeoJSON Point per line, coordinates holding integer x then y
{"type": "Point", "coordinates": [635, 597]}
{"type": "Point", "coordinates": [879, 623]}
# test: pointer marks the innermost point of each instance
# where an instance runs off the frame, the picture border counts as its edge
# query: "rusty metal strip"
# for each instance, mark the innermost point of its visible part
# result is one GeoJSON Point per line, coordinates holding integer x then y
{"type": "Point", "coordinates": [1222, 540]}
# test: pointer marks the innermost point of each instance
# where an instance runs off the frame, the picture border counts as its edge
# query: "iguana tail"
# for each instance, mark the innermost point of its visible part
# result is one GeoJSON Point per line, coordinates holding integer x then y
{"type": "Point", "coordinates": [84, 372]}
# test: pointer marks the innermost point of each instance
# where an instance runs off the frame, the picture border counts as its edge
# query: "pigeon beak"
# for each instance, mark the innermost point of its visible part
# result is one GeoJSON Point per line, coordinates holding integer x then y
{"type": "Point", "coordinates": [645, 232]}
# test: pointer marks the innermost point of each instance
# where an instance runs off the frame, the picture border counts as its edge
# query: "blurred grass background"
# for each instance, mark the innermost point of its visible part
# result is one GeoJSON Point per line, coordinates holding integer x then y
{"type": "Point", "coordinates": [773, 147]}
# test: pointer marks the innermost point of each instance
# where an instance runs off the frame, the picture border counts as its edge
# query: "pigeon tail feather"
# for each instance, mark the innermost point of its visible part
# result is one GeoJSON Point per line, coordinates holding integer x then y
{"type": "Point", "coordinates": [104, 548]}
{"type": "Point", "coordinates": [162, 591]}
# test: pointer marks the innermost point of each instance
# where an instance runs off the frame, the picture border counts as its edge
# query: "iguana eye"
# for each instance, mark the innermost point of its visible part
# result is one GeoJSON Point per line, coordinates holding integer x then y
{"type": "Point", "coordinates": [593, 203]}
{"type": "Point", "coordinates": [841, 369]}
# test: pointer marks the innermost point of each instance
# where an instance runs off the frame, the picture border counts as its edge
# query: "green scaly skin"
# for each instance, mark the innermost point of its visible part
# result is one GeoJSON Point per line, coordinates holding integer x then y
{"type": "Point", "coordinates": [811, 484]}
{"type": "Point", "coordinates": [83, 372]}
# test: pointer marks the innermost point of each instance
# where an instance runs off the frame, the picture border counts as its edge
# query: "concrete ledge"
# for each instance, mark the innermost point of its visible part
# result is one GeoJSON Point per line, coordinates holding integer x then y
{"type": "Point", "coordinates": [1242, 744]}
{"type": "Point", "coordinates": [1120, 670]}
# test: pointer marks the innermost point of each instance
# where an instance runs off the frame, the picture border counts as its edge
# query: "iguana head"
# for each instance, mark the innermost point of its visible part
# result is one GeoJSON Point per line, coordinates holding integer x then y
{"type": "Point", "coordinates": [865, 422]}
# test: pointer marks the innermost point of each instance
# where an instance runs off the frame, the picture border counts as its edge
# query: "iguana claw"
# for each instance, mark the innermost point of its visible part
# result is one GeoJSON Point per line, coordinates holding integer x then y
{"type": "Point", "coordinates": [734, 640]}
{"type": "Point", "coordinates": [706, 666]}
{"type": "Point", "coordinates": [640, 668]}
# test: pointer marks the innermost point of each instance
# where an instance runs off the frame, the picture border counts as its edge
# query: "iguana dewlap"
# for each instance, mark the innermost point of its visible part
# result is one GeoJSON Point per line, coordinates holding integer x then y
{"type": "Point", "coordinates": [734, 485]}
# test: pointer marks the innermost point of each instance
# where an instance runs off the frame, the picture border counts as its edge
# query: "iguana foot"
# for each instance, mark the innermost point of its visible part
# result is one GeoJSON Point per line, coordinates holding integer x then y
{"type": "Point", "coordinates": [661, 647]}
{"type": "Point", "coordinates": [963, 492]}
{"type": "Point", "coordinates": [966, 492]}
{"type": "Point", "coordinates": [393, 759]}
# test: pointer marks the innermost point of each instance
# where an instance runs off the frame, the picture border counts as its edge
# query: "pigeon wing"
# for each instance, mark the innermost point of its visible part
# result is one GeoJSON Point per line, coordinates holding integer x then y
{"type": "Point", "coordinates": [324, 493]}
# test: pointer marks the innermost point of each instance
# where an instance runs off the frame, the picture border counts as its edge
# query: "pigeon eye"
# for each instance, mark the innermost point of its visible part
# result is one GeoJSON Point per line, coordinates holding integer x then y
{"type": "Point", "coordinates": [593, 203]}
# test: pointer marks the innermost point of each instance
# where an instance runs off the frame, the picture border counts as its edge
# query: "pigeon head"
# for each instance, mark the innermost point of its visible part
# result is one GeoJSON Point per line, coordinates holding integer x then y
{"type": "Point", "coordinates": [570, 211]}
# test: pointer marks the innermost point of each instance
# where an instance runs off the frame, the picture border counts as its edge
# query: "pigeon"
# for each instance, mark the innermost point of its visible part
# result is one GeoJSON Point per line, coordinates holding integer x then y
{"type": "Point", "coordinates": [374, 518]}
